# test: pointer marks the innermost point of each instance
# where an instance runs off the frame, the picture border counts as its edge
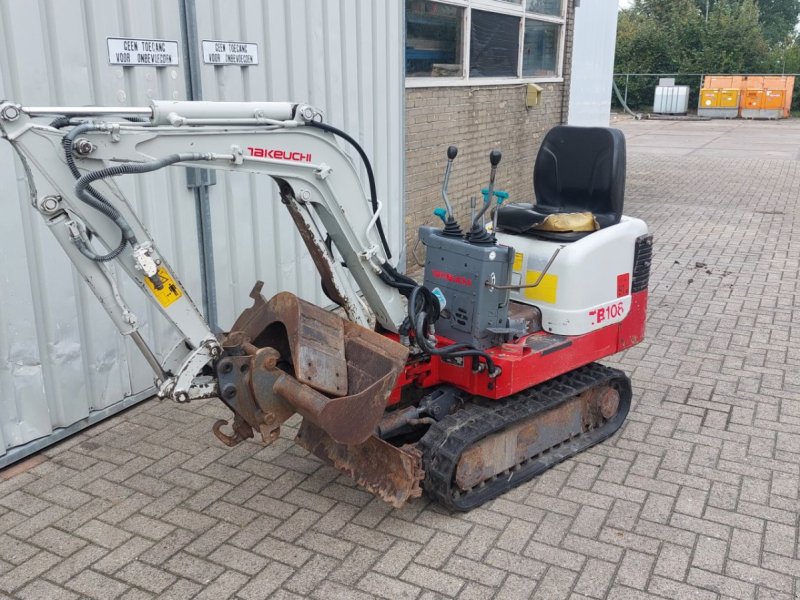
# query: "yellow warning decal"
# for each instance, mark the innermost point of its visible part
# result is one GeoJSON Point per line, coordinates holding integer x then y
{"type": "Point", "coordinates": [170, 291]}
{"type": "Point", "coordinates": [519, 257]}
{"type": "Point", "coordinates": [545, 291]}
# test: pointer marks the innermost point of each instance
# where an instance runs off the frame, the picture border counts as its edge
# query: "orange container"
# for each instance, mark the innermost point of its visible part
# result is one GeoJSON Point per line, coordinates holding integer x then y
{"type": "Point", "coordinates": [753, 99]}
{"type": "Point", "coordinates": [774, 99]}
{"type": "Point", "coordinates": [723, 81]}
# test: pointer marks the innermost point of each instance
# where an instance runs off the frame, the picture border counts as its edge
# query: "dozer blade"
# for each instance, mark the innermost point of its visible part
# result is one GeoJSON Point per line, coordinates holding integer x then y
{"type": "Point", "coordinates": [393, 474]}
{"type": "Point", "coordinates": [286, 355]}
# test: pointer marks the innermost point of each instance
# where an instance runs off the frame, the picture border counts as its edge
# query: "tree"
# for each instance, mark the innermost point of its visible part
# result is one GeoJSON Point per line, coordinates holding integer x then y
{"type": "Point", "coordinates": [674, 36]}
{"type": "Point", "coordinates": [733, 39]}
{"type": "Point", "coordinates": [778, 17]}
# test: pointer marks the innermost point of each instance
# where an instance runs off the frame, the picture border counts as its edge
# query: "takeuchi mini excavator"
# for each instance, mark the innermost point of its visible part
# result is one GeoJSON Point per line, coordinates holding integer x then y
{"type": "Point", "coordinates": [464, 386]}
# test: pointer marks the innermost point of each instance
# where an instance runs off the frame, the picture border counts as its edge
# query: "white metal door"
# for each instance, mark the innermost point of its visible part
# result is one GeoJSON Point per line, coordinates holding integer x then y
{"type": "Point", "coordinates": [62, 364]}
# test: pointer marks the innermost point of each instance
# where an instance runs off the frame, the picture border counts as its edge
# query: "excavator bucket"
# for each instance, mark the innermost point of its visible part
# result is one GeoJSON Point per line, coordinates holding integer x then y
{"type": "Point", "coordinates": [286, 356]}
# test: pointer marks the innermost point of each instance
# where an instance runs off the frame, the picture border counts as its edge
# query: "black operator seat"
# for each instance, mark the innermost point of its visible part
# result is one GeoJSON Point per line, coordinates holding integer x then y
{"type": "Point", "coordinates": [579, 184]}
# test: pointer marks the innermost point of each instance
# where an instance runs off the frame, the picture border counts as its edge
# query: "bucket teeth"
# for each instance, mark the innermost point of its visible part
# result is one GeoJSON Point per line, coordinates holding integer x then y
{"type": "Point", "coordinates": [394, 474]}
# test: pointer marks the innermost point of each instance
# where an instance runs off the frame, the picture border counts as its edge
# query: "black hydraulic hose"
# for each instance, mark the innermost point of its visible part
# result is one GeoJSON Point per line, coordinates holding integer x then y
{"type": "Point", "coordinates": [373, 190]}
{"type": "Point", "coordinates": [397, 276]}
{"type": "Point", "coordinates": [98, 201]}
{"type": "Point", "coordinates": [60, 122]}
{"type": "Point", "coordinates": [82, 189]}
{"type": "Point", "coordinates": [452, 351]}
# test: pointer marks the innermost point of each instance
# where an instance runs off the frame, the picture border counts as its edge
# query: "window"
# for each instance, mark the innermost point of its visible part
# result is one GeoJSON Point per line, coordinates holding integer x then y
{"type": "Point", "coordinates": [450, 41]}
{"type": "Point", "coordinates": [433, 39]}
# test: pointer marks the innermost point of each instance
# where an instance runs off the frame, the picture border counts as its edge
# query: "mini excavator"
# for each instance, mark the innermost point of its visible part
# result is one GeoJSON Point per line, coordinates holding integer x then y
{"type": "Point", "coordinates": [464, 386]}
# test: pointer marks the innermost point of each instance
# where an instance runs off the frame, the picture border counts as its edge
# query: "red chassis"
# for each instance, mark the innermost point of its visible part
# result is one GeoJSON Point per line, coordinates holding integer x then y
{"type": "Point", "coordinates": [533, 359]}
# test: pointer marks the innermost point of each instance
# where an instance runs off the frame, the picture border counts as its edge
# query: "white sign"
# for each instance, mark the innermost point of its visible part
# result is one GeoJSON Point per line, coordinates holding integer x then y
{"type": "Point", "coordinates": [134, 52]}
{"type": "Point", "coordinates": [229, 53]}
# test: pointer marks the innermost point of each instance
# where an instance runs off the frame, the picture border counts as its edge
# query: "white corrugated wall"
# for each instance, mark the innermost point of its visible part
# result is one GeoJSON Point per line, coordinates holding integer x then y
{"type": "Point", "coordinates": [345, 57]}
{"type": "Point", "coordinates": [62, 364]}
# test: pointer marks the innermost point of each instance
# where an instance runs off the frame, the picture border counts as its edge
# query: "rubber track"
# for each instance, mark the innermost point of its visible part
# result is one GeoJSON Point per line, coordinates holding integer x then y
{"type": "Point", "coordinates": [447, 439]}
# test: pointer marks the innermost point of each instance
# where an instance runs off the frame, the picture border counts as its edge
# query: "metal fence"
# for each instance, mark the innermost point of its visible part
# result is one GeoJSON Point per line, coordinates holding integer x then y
{"type": "Point", "coordinates": [637, 89]}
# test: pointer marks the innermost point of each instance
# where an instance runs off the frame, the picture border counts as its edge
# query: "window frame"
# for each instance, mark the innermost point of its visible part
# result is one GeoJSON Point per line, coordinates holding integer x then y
{"type": "Point", "coordinates": [500, 7]}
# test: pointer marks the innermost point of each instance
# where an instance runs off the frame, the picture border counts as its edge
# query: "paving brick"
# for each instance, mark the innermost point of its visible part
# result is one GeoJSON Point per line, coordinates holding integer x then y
{"type": "Point", "coordinates": [122, 555]}
{"type": "Point", "coordinates": [395, 560]}
{"type": "Point", "coordinates": [516, 587]}
{"type": "Point", "coordinates": [75, 564]}
{"type": "Point", "coordinates": [554, 556]}
{"type": "Point", "coordinates": [144, 576]}
{"type": "Point", "coordinates": [674, 589]}
{"type": "Point", "coordinates": [710, 554]}
{"type": "Point", "coordinates": [354, 566]}
{"type": "Point", "coordinates": [190, 567]}
{"type": "Point", "coordinates": [309, 576]}
{"type": "Point", "coordinates": [102, 534]}
{"type": "Point", "coordinates": [29, 570]}
{"type": "Point", "coordinates": [634, 571]}
{"type": "Point", "coordinates": [555, 584]}
{"type": "Point", "coordinates": [238, 559]}
{"type": "Point", "coordinates": [432, 580]}
{"type": "Point", "coordinates": [388, 587]}
{"type": "Point", "coordinates": [672, 561]}
{"type": "Point", "coordinates": [264, 584]}
{"type": "Point", "coordinates": [224, 586]}
{"type": "Point", "coordinates": [595, 578]}
{"type": "Point", "coordinates": [475, 571]}
{"type": "Point", "coordinates": [167, 547]}
{"type": "Point", "coordinates": [57, 541]}
{"type": "Point", "coordinates": [41, 590]}
{"type": "Point", "coordinates": [95, 585]}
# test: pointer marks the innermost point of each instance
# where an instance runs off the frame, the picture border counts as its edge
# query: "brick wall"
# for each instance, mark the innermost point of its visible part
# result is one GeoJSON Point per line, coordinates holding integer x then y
{"type": "Point", "coordinates": [477, 120]}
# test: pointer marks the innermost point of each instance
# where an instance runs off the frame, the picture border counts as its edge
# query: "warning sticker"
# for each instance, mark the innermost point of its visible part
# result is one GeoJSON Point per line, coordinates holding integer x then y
{"type": "Point", "coordinates": [134, 52]}
{"type": "Point", "coordinates": [545, 291]}
{"type": "Point", "coordinates": [230, 53]}
{"type": "Point", "coordinates": [519, 257]}
{"type": "Point", "coordinates": [170, 291]}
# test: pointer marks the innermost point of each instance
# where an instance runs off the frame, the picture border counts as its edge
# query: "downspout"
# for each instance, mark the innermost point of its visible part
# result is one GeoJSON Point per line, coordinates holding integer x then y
{"type": "Point", "coordinates": [199, 180]}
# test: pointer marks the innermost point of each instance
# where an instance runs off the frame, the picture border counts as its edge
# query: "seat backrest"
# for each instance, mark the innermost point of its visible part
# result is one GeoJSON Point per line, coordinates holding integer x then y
{"type": "Point", "coordinates": [581, 169]}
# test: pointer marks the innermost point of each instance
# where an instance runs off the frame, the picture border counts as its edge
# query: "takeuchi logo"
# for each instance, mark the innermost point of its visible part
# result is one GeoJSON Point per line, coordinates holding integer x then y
{"type": "Point", "coordinates": [457, 279]}
{"type": "Point", "coordinates": [279, 154]}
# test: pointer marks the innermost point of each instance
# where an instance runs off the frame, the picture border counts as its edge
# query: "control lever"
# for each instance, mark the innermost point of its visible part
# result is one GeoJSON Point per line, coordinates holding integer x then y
{"type": "Point", "coordinates": [494, 160]}
{"type": "Point", "coordinates": [451, 227]}
{"type": "Point", "coordinates": [452, 152]}
{"type": "Point", "coordinates": [501, 197]}
{"type": "Point", "coordinates": [478, 234]}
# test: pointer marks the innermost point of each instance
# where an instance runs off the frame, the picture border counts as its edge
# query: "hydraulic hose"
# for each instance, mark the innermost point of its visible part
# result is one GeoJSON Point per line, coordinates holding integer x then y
{"type": "Point", "coordinates": [83, 192]}
{"type": "Point", "coordinates": [453, 351]}
{"type": "Point", "coordinates": [98, 201]}
{"type": "Point", "coordinates": [373, 190]}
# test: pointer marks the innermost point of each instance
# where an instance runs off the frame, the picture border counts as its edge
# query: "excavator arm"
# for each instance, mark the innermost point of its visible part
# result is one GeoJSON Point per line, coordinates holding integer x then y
{"type": "Point", "coordinates": [318, 184]}
{"type": "Point", "coordinates": [282, 356]}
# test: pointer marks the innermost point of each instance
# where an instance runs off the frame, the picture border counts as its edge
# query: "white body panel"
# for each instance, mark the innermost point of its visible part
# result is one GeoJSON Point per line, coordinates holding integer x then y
{"type": "Point", "coordinates": [579, 292]}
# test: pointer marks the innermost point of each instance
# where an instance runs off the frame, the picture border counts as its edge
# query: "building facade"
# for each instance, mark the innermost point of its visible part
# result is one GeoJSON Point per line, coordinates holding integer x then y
{"type": "Point", "coordinates": [469, 64]}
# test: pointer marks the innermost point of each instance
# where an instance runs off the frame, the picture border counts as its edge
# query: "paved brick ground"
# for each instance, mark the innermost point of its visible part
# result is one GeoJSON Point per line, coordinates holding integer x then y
{"type": "Point", "coordinates": [697, 497]}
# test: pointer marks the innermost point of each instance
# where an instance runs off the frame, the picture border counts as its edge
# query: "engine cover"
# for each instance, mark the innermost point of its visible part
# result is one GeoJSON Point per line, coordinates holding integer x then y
{"type": "Point", "coordinates": [457, 273]}
{"type": "Point", "coordinates": [589, 284]}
